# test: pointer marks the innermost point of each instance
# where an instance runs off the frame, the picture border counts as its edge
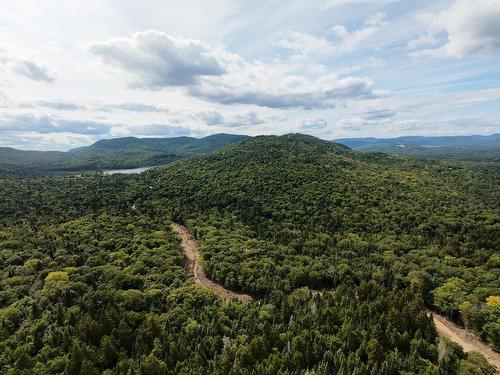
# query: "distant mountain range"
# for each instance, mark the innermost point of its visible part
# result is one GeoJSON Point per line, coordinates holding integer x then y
{"type": "Point", "coordinates": [175, 145]}
{"type": "Point", "coordinates": [472, 148]}
{"type": "Point", "coordinates": [129, 152]}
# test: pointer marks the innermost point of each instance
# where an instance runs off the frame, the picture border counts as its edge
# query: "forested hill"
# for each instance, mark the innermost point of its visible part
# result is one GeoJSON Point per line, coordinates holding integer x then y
{"type": "Point", "coordinates": [443, 141]}
{"type": "Point", "coordinates": [469, 148]}
{"type": "Point", "coordinates": [291, 211]}
{"type": "Point", "coordinates": [128, 152]}
{"type": "Point", "coordinates": [11, 158]}
{"type": "Point", "coordinates": [175, 145]}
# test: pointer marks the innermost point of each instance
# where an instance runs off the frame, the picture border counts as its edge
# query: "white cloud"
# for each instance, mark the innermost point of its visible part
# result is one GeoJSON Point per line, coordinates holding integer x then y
{"type": "Point", "coordinates": [378, 114]}
{"type": "Point", "coordinates": [215, 118]}
{"type": "Point", "coordinates": [63, 105]}
{"type": "Point", "coordinates": [349, 41]}
{"type": "Point", "coordinates": [248, 73]}
{"type": "Point", "coordinates": [340, 39]}
{"type": "Point", "coordinates": [472, 27]}
{"type": "Point", "coordinates": [50, 141]}
{"type": "Point", "coordinates": [157, 60]}
{"type": "Point", "coordinates": [50, 124]}
{"type": "Point", "coordinates": [131, 107]}
{"type": "Point", "coordinates": [211, 117]}
{"type": "Point", "coordinates": [153, 130]}
{"type": "Point", "coordinates": [305, 44]}
{"type": "Point", "coordinates": [370, 63]}
{"type": "Point", "coordinates": [337, 3]}
{"type": "Point", "coordinates": [34, 71]}
{"type": "Point", "coordinates": [267, 85]}
{"type": "Point", "coordinates": [427, 39]}
{"type": "Point", "coordinates": [24, 62]}
{"type": "Point", "coordinates": [313, 124]}
{"type": "Point", "coordinates": [59, 105]}
{"type": "Point", "coordinates": [4, 101]}
{"type": "Point", "coordinates": [429, 104]}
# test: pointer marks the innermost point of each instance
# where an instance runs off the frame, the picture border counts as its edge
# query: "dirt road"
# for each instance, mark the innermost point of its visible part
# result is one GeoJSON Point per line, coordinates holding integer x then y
{"type": "Point", "coordinates": [467, 341]}
{"type": "Point", "coordinates": [194, 269]}
{"type": "Point", "coordinates": [444, 327]}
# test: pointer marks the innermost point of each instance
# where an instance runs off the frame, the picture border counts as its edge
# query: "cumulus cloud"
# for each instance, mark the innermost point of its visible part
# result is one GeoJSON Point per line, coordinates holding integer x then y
{"type": "Point", "coordinates": [50, 124]}
{"type": "Point", "coordinates": [157, 60]}
{"type": "Point", "coordinates": [58, 105]}
{"type": "Point", "coordinates": [471, 28]}
{"type": "Point", "coordinates": [215, 118]}
{"type": "Point", "coordinates": [132, 107]}
{"type": "Point", "coordinates": [61, 105]}
{"type": "Point", "coordinates": [313, 124]}
{"type": "Point", "coordinates": [340, 39]}
{"type": "Point", "coordinates": [274, 90]}
{"type": "Point", "coordinates": [33, 71]}
{"type": "Point", "coordinates": [211, 117]}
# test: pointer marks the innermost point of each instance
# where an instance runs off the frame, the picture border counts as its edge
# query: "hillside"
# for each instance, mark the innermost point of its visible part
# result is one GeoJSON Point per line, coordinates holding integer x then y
{"type": "Point", "coordinates": [322, 213]}
{"type": "Point", "coordinates": [13, 158]}
{"type": "Point", "coordinates": [341, 252]}
{"type": "Point", "coordinates": [175, 145]}
{"type": "Point", "coordinates": [128, 152]}
{"type": "Point", "coordinates": [467, 148]}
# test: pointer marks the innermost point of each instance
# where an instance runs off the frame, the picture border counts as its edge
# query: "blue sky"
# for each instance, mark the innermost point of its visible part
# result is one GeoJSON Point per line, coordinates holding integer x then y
{"type": "Point", "coordinates": [72, 73]}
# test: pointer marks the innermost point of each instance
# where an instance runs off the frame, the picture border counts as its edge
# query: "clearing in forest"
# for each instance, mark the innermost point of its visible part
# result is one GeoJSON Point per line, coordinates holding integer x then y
{"type": "Point", "coordinates": [190, 246]}
{"type": "Point", "coordinates": [467, 341]}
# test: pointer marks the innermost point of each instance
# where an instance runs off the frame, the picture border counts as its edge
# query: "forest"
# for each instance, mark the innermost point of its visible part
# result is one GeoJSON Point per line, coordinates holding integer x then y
{"type": "Point", "coordinates": [343, 252]}
{"type": "Point", "coordinates": [122, 153]}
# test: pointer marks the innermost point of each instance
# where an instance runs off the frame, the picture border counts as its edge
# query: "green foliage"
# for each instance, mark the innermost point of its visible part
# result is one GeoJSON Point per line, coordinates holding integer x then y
{"type": "Point", "coordinates": [285, 212]}
{"type": "Point", "coordinates": [344, 251]}
{"type": "Point", "coordinates": [116, 153]}
{"type": "Point", "coordinates": [471, 148]}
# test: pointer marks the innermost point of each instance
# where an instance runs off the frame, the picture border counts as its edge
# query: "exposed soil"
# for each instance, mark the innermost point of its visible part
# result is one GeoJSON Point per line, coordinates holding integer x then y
{"type": "Point", "coordinates": [190, 246]}
{"type": "Point", "coordinates": [467, 341]}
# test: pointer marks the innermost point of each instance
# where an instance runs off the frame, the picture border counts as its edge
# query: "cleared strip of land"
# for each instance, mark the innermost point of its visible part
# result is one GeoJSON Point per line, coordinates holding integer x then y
{"type": "Point", "coordinates": [467, 341]}
{"type": "Point", "coordinates": [444, 327]}
{"type": "Point", "coordinates": [190, 246]}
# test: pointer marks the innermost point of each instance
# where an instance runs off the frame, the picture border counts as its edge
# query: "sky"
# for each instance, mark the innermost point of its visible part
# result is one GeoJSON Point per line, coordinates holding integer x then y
{"type": "Point", "coordinates": [74, 72]}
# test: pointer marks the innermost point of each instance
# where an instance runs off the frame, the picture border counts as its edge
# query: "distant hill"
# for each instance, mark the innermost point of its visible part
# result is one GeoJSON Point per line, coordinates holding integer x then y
{"type": "Point", "coordinates": [13, 161]}
{"type": "Point", "coordinates": [128, 152]}
{"type": "Point", "coordinates": [473, 147]}
{"type": "Point", "coordinates": [177, 145]}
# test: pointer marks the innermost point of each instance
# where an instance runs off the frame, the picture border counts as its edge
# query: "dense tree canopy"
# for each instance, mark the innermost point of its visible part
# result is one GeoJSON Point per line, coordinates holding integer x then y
{"type": "Point", "coordinates": [342, 250]}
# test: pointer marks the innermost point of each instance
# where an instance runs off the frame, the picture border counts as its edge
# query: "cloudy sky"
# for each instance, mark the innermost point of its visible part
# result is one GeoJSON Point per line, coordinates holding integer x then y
{"type": "Point", "coordinates": [75, 72]}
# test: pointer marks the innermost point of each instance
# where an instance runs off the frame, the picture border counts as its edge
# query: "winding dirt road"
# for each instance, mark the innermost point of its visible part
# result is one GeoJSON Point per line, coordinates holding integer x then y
{"type": "Point", "coordinates": [190, 246]}
{"type": "Point", "coordinates": [467, 341]}
{"type": "Point", "coordinates": [444, 327]}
